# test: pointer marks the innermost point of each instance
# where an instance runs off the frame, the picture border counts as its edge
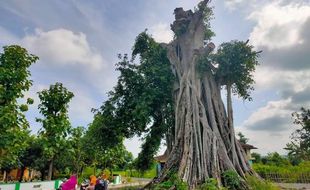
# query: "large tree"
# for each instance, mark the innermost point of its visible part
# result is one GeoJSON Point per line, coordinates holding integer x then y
{"type": "Point", "coordinates": [55, 124]}
{"type": "Point", "coordinates": [204, 145]}
{"type": "Point", "coordinates": [174, 92]}
{"type": "Point", "coordinates": [14, 81]}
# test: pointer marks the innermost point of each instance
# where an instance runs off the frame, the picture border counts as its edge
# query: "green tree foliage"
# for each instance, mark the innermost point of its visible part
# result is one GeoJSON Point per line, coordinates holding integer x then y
{"type": "Point", "coordinates": [257, 157]}
{"type": "Point", "coordinates": [55, 124]}
{"type": "Point", "coordinates": [74, 157]}
{"type": "Point", "coordinates": [141, 102]}
{"type": "Point", "coordinates": [242, 138]}
{"type": "Point", "coordinates": [232, 180]}
{"type": "Point", "coordinates": [77, 153]}
{"type": "Point", "coordinates": [14, 81]}
{"type": "Point", "coordinates": [115, 158]}
{"type": "Point", "coordinates": [299, 147]}
{"type": "Point", "coordinates": [32, 156]}
{"type": "Point", "coordinates": [236, 61]}
{"type": "Point", "coordinates": [275, 159]}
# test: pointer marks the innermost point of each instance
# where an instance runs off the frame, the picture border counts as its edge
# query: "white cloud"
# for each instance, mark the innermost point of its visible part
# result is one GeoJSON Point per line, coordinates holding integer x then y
{"type": "Point", "coordinates": [279, 25]}
{"type": "Point", "coordinates": [270, 127]}
{"type": "Point", "coordinates": [273, 117]}
{"type": "Point", "coordinates": [81, 105]}
{"type": "Point", "coordinates": [7, 38]}
{"type": "Point", "coordinates": [242, 5]}
{"type": "Point", "coordinates": [276, 79]}
{"type": "Point", "coordinates": [61, 46]}
{"type": "Point", "coordinates": [265, 141]}
{"type": "Point", "coordinates": [161, 32]}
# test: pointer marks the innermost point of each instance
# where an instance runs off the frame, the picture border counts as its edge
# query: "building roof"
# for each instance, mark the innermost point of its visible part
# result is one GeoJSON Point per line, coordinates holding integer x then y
{"type": "Point", "coordinates": [162, 158]}
{"type": "Point", "coordinates": [247, 146]}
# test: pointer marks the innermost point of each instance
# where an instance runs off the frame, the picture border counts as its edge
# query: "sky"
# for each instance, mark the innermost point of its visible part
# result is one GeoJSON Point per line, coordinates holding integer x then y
{"type": "Point", "coordinates": [78, 42]}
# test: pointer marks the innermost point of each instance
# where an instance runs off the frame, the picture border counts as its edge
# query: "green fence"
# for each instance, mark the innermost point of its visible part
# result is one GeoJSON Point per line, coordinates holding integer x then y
{"type": "Point", "coordinates": [286, 177]}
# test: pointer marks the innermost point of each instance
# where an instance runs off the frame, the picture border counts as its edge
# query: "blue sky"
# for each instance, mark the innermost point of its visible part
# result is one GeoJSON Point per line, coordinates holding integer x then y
{"type": "Point", "coordinates": [77, 42]}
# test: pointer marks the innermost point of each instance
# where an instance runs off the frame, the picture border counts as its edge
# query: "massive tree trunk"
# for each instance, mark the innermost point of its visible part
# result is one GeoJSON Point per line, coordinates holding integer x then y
{"type": "Point", "coordinates": [204, 143]}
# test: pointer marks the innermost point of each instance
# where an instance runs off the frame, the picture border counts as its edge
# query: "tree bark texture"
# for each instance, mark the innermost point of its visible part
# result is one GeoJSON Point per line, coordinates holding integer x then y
{"type": "Point", "coordinates": [4, 176]}
{"type": "Point", "coordinates": [204, 143]}
{"type": "Point", "coordinates": [22, 174]}
{"type": "Point", "coordinates": [50, 170]}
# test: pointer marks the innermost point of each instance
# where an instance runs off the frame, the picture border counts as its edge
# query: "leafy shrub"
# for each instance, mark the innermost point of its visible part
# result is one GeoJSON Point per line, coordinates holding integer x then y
{"type": "Point", "coordinates": [231, 180]}
{"type": "Point", "coordinates": [210, 184]}
{"type": "Point", "coordinates": [164, 185]}
{"type": "Point", "coordinates": [173, 180]}
{"type": "Point", "coordinates": [257, 184]}
{"type": "Point", "coordinates": [179, 184]}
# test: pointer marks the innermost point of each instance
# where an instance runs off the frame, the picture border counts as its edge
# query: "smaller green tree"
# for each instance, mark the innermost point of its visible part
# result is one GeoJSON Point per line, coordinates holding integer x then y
{"type": "Point", "coordinates": [14, 81]}
{"type": "Point", "coordinates": [55, 124]}
{"type": "Point", "coordinates": [115, 158]}
{"type": "Point", "coordinates": [31, 155]}
{"type": "Point", "coordinates": [235, 62]}
{"type": "Point", "coordinates": [77, 154]}
{"type": "Point", "coordinates": [299, 147]}
{"type": "Point", "coordinates": [257, 157]}
{"type": "Point", "coordinates": [242, 138]}
{"type": "Point", "coordinates": [275, 159]}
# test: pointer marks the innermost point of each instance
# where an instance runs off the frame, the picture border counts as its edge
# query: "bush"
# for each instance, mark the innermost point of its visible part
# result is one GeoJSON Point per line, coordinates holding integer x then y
{"type": "Point", "coordinates": [173, 181]}
{"type": "Point", "coordinates": [210, 184]}
{"type": "Point", "coordinates": [231, 180]}
{"type": "Point", "coordinates": [164, 185]}
{"type": "Point", "coordinates": [257, 184]}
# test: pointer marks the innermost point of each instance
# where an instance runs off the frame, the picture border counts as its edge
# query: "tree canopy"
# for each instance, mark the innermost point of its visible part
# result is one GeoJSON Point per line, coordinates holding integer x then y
{"type": "Point", "coordinates": [242, 138]}
{"type": "Point", "coordinates": [141, 102]}
{"type": "Point", "coordinates": [14, 81]}
{"type": "Point", "coordinates": [236, 61]}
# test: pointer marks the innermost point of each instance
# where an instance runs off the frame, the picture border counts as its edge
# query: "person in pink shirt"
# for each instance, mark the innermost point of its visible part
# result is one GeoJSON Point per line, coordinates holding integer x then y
{"type": "Point", "coordinates": [70, 184]}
